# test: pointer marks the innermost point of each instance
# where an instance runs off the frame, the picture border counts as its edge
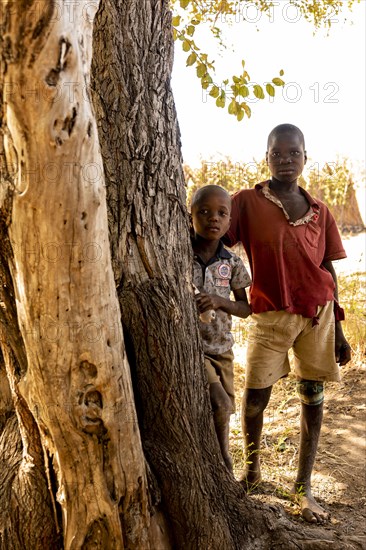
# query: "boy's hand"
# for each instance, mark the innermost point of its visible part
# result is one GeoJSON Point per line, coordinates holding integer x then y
{"type": "Point", "coordinates": [240, 307]}
{"type": "Point", "coordinates": [208, 301]}
{"type": "Point", "coordinates": [342, 348]}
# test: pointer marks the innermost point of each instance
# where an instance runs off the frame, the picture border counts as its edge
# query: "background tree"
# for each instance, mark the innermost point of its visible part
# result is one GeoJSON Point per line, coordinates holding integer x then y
{"type": "Point", "coordinates": [334, 183]}
{"type": "Point", "coordinates": [73, 471]}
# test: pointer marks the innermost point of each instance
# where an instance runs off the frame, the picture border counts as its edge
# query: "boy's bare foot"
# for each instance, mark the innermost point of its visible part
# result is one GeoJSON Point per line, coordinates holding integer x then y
{"type": "Point", "coordinates": [311, 511]}
{"type": "Point", "coordinates": [250, 480]}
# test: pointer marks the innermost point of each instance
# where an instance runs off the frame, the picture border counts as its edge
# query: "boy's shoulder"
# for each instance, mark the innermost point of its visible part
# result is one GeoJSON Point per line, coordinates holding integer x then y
{"type": "Point", "coordinates": [231, 256]}
{"type": "Point", "coordinates": [238, 273]}
{"type": "Point", "coordinates": [251, 193]}
{"type": "Point", "coordinates": [236, 263]}
{"type": "Point", "coordinates": [225, 253]}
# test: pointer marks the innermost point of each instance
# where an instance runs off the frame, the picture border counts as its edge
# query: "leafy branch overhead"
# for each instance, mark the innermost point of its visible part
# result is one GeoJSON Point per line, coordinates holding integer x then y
{"type": "Point", "coordinates": [189, 15]}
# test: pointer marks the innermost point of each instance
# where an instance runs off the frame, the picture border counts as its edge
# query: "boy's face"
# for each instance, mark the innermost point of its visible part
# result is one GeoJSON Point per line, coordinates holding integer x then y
{"type": "Point", "coordinates": [286, 157]}
{"type": "Point", "coordinates": [211, 216]}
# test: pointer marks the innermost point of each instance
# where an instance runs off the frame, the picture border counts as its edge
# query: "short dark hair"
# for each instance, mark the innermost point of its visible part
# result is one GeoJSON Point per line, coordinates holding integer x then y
{"type": "Point", "coordinates": [285, 129]}
{"type": "Point", "coordinates": [208, 190]}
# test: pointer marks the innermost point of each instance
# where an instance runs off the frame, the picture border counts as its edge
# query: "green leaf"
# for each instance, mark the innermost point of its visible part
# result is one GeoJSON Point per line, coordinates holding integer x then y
{"type": "Point", "coordinates": [243, 63]}
{"type": "Point", "coordinates": [220, 101]}
{"type": "Point", "coordinates": [240, 115]}
{"type": "Point", "coordinates": [236, 79]}
{"type": "Point", "coordinates": [191, 59]}
{"type": "Point", "coordinates": [176, 20]}
{"type": "Point", "coordinates": [184, 3]}
{"type": "Point", "coordinates": [186, 45]}
{"type": "Point", "coordinates": [270, 89]}
{"type": "Point", "coordinates": [233, 107]}
{"type": "Point", "coordinates": [258, 91]}
{"type": "Point", "coordinates": [281, 72]}
{"type": "Point", "coordinates": [281, 446]}
{"type": "Point", "coordinates": [206, 79]}
{"type": "Point", "coordinates": [215, 91]}
{"type": "Point", "coordinates": [201, 70]}
{"type": "Point", "coordinates": [243, 91]}
{"type": "Point", "coordinates": [278, 81]}
{"type": "Point", "coordinates": [190, 30]}
{"type": "Point", "coordinates": [235, 89]}
{"type": "Point", "coordinates": [247, 109]}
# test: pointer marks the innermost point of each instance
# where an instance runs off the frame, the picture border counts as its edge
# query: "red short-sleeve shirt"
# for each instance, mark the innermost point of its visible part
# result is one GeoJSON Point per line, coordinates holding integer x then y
{"type": "Point", "coordinates": [285, 259]}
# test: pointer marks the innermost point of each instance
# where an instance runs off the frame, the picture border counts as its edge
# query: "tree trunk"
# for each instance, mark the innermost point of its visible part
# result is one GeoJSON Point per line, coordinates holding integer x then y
{"type": "Point", "coordinates": [75, 381]}
{"type": "Point", "coordinates": [152, 264]}
{"type": "Point", "coordinates": [151, 258]}
{"type": "Point", "coordinates": [70, 444]}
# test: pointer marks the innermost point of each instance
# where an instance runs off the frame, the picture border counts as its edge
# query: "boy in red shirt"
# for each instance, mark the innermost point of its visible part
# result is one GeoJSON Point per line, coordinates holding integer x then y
{"type": "Point", "coordinates": [290, 239]}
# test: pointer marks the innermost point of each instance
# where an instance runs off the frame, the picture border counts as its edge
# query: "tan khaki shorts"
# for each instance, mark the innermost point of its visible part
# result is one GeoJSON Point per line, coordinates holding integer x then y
{"type": "Point", "coordinates": [273, 333]}
{"type": "Point", "coordinates": [220, 368]}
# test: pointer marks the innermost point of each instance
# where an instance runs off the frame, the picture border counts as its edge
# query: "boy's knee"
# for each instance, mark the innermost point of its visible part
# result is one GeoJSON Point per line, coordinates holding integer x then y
{"type": "Point", "coordinates": [255, 402]}
{"type": "Point", "coordinates": [220, 401]}
{"type": "Point", "coordinates": [310, 392]}
{"type": "Point", "coordinates": [252, 409]}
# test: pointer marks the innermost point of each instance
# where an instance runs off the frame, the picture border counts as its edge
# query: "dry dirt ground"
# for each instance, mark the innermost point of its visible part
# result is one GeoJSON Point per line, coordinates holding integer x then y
{"type": "Point", "coordinates": [339, 473]}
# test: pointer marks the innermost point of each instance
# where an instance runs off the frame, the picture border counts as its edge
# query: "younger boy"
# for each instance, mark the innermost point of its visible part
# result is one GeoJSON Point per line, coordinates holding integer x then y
{"type": "Point", "coordinates": [217, 272]}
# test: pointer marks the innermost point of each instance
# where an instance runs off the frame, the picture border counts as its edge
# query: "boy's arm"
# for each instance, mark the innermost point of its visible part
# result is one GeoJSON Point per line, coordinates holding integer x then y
{"type": "Point", "coordinates": [239, 308]}
{"type": "Point", "coordinates": [342, 347]}
{"type": "Point", "coordinates": [232, 236]}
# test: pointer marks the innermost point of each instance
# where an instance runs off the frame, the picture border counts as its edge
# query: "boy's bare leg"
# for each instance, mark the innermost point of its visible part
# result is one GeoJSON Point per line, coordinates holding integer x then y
{"type": "Point", "coordinates": [222, 425]}
{"type": "Point", "coordinates": [221, 408]}
{"type": "Point", "coordinates": [253, 404]}
{"type": "Point", "coordinates": [310, 424]}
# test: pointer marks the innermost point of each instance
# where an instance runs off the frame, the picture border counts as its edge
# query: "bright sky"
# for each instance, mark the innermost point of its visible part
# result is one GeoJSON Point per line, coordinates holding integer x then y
{"type": "Point", "coordinates": [324, 93]}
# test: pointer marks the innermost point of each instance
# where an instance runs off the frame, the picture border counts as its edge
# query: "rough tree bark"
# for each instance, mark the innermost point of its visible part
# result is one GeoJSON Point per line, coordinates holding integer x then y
{"type": "Point", "coordinates": [133, 53]}
{"type": "Point", "coordinates": [74, 383]}
{"type": "Point", "coordinates": [70, 444]}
